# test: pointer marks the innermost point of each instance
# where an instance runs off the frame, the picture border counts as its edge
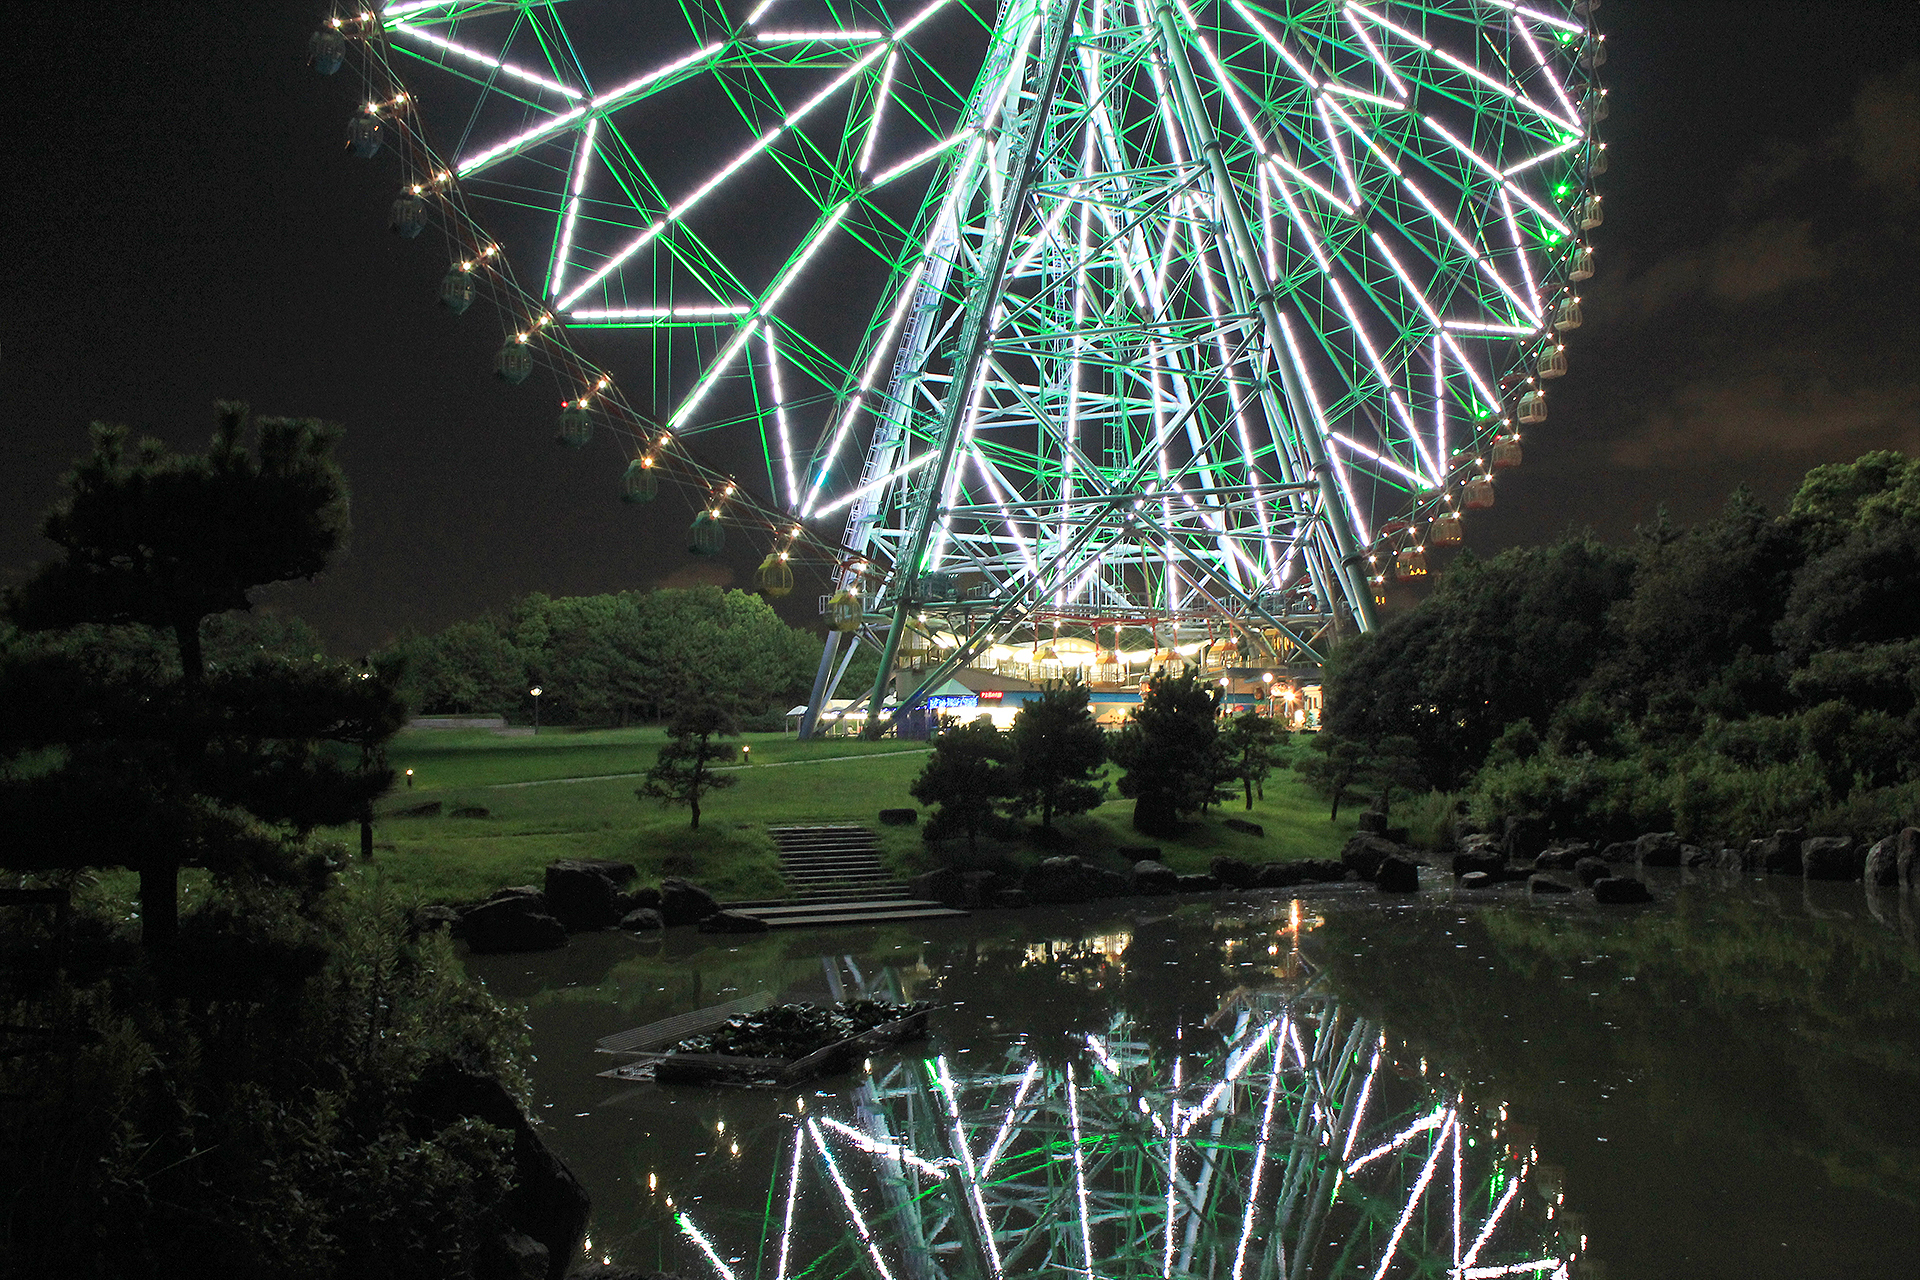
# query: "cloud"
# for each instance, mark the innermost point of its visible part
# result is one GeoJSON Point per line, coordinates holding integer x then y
{"type": "Point", "coordinates": [1883, 137]}
{"type": "Point", "coordinates": [698, 573]}
{"type": "Point", "coordinates": [1740, 267]}
{"type": "Point", "coordinates": [1772, 412]}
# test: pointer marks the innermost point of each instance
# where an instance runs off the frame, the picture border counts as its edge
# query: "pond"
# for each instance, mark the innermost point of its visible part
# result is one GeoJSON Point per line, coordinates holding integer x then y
{"type": "Point", "coordinates": [1722, 1084]}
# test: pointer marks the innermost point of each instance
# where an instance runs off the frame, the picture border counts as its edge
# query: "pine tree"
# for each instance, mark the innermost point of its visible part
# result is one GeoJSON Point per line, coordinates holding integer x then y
{"type": "Point", "coordinates": [1170, 753]}
{"type": "Point", "coordinates": [1251, 745]}
{"type": "Point", "coordinates": [968, 778]}
{"type": "Point", "coordinates": [1056, 751]}
{"type": "Point", "coordinates": [684, 770]}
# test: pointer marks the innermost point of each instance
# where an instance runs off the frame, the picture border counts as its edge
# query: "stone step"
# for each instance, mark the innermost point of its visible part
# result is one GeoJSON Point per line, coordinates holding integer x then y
{"type": "Point", "coordinates": [873, 917]}
{"type": "Point", "coordinates": [865, 911]}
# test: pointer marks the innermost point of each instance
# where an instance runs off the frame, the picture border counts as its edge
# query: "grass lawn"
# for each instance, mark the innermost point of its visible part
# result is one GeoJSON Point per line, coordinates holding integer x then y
{"type": "Point", "coordinates": [449, 859]}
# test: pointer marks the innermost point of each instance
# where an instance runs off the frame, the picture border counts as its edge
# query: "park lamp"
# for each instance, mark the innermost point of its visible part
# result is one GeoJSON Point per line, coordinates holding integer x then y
{"type": "Point", "coordinates": [536, 691]}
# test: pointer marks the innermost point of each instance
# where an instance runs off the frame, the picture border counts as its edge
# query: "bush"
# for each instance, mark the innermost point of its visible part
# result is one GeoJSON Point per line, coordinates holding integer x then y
{"type": "Point", "coordinates": [1430, 819]}
{"type": "Point", "coordinates": [240, 1107]}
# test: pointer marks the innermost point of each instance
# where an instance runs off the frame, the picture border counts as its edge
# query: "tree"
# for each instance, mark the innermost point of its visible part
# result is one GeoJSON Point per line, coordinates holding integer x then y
{"type": "Point", "coordinates": [1339, 766]}
{"type": "Point", "coordinates": [120, 753]}
{"type": "Point", "coordinates": [968, 778]}
{"type": "Point", "coordinates": [1251, 745]}
{"type": "Point", "coordinates": [1056, 750]}
{"type": "Point", "coordinates": [684, 770]}
{"type": "Point", "coordinates": [1169, 752]}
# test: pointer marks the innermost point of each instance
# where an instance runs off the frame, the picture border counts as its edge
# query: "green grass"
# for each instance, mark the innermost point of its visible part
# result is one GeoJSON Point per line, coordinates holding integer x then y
{"type": "Point", "coordinates": [449, 859]}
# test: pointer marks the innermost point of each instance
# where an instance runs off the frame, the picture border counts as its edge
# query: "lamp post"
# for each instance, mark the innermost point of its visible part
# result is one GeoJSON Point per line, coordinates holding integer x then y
{"type": "Point", "coordinates": [1290, 695]}
{"type": "Point", "coordinates": [535, 691]}
{"type": "Point", "coordinates": [1267, 679]}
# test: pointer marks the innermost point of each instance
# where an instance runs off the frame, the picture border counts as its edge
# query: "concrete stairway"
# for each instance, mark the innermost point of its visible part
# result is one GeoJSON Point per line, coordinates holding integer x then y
{"type": "Point", "coordinates": [835, 876]}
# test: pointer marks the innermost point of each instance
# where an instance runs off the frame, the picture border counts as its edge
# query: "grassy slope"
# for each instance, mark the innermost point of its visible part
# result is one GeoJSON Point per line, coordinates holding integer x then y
{"type": "Point", "coordinates": [452, 859]}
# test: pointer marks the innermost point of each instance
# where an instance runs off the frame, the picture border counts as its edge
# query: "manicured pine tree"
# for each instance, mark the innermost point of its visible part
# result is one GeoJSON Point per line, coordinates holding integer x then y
{"type": "Point", "coordinates": [968, 777]}
{"type": "Point", "coordinates": [1057, 752]}
{"type": "Point", "coordinates": [1252, 745]}
{"type": "Point", "coordinates": [684, 771]}
{"type": "Point", "coordinates": [1170, 752]}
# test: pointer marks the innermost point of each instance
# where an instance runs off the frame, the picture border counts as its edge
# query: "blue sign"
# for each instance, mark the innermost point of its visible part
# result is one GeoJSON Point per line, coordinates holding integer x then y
{"type": "Point", "coordinates": [952, 701]}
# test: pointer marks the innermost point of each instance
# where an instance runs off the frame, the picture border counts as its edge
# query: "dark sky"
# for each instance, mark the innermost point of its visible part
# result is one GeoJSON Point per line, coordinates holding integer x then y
{"type": "Point", "coordinates": [184, 225]}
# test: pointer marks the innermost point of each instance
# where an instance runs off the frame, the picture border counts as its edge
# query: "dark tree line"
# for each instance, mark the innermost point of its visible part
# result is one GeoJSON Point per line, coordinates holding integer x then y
{"type": "Point", "coordinates": [1758, 669]}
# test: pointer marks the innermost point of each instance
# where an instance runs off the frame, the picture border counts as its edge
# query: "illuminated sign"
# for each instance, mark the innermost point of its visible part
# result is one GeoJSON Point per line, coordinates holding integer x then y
{"type": "Point", "coordinates": [991, 695]}
{"type": "Point", "coordinates": [951, 701]}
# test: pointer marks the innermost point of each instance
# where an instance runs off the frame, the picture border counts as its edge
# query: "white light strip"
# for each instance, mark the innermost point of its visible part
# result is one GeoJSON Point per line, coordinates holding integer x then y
{"type": "Point", "coordinates": [1006, 1125]}
{"type": "Point", "coordinates": [1413, 1200]}
{"type": "Point", "coordinates": [780, 413]}
{"type": "Point", "coordinates": [414, 6]}
{"type": "Point", "coordinates": [879, 108]}
{"type": "Point", "coordinates": [855, 36]}
{"type": "Point", "coordinates": [914, 161]}
{"type": "Point", "coordinates": [889, 1150]}
{"type": "Point", "coordinates": [1439, 400]}
{"type": "Point", "coordinates": [1541, 158]}
{"type": "Point", "coordinates": [1519, 244]}
{"type": "Point", "coordinates": [694, 1234]}
{"type": "Point", "coordinates": [1513, 1269]}
{"type": "Point", "coordinates": [1545, 19]}
{"type": "Point", "coordinates": [581, 159]}
{"type": "Point", "coordinates": [793, 1196]}
{"type": "Point", "coordinates": [1391, 387]}
{"type": "Point", "coordinates": [1366, 1089]}
{"type": "Point", "coordinates": [487, 60]}
{"type": "Point", "coordinates": [1334, 86]}
{"type": "Point", "coordinates": [1486, 1232]}
{"type": "Point", "coordinates": [1498, 86]}
{"type": "Point", "coordinates": [1339, 467]}
{"type": "Point", "coordinates": [1559, 90]}
{"type": "Point", "coordinates": [1474, 251]}
{"type": "Point", "coordinates": [877, 483]}
{"type": "Point", "coordinates": [1478, 326]}
{"type": "Point", "coordinates": [1259, 1165]}
{"type": "Point", "coordinates": [1079, 1175]}
{"type": "Point", "coordinates": [761, 9]}
{"type": "Point", "coordinates": [966, 1166]}
{"type": "Point", "coordinates": [1339, 153]}
{"type": "Point", "coordinates": [1379, 58]}
{"type": "Point", "coordinates": [1380, 458]}
{"type": "Point", "coordinates": [846, 1198]}
{"type": "Point", "coordinates": [658, 313]}
{"type": "Point", "coordinates": [1398, 1140]}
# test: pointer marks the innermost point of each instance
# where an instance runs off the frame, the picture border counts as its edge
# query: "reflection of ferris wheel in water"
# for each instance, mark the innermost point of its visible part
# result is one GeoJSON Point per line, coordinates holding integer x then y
{"type": "Point", "coordinates": [1203, 315]}
{"type": "Point", "coordinates": [1304, 1150]}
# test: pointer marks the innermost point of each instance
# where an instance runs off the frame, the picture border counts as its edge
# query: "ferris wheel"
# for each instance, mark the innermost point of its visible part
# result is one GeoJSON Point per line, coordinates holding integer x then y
{"type": "Point", "coordinates": [1170, 314]}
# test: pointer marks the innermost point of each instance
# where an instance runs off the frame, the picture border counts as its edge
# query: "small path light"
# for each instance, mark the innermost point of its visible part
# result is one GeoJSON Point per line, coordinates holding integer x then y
{"type": "Point", "coordinates": [535, 691]}
{"type": "Point", "coordinates": [409, 779]}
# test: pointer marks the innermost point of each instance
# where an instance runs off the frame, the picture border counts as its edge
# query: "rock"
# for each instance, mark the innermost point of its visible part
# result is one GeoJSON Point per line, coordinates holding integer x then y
{"type": "Point", "coordinates": [1692, 855]}
{"type": "Point", "coordinates": [582, 896]}
{"type": "Point", "coordinates": [1154, 878]}
{"type": "Point", "coordinates": [1198, 884]}
{"type": "Point", "coordinates": [943, 885]}
{"type": "Point", "coordinates": [519, 891]}
{"type": "Point", "coordinates": [1832, 858]}
{"type": "Point", "coordinates": [1525, 837]}
{"type": "Point", "coordinates": [1052, 839]}
{"type": "Point", "coordinates": [511, 1255]}
{"type": "Point", "coordinates": [431, 919]}
{"type": "Point", "coordinates": [1396, 874]}
{"type": "Point", "coordinates": [546, 1201]}
{"type": "Point", "coordinates": [1154, 815]}
{"type": "Point", "coordinates": [1234, 873]}
{"type": "Point", "coordinates": [684, 903]}
{"type": "Point", "coordinates": [1617, 852]}
{"type": "Point", "coordinates": [644, 896]}
{"type": "Point", "coordinates": [1546, 885]}
{"type": "Point", "coordinates": [1906, 857]}
{"type": "Point", "coordinates": [1488, 864]}
{"type": "Point", "coordinates": [1477, 880]}
{"type": "Point", "coordinates": [518, 923]}
{"type": "Point", "coordinates": [1280, 875]}
{"type": "Point", "coordinates": [1373, 822]}
{"type": "Point", "coordinates": [1479, 842]}
{"type": "Point", "coordinates": [1561, 859]}
{"type": "Point", "coordinates": [1883, 866]}
{"type": "Point", "coordinates": [1364, 853]}
{"type": "Point", "coordinates": [1068, 879]}
{"type": "Point", "coordinates": [980, 888]}
{"type": "Point", "coordinates": [1744, 859]}
{"type": "Point", "coordinates": [899, 817]}
{"type": "Point", "coordinates": [1591, 871]}
{"type": "Point", "coordinates": [1011, 899]}
{"type": "Point", "coordinates": [1321, 870]}
{"type": "Point", "coordinates": [471, 811]}
{"type": "Point", "coordinates": [431, 809]}
{"type": "Point", "coordinates": [1657, 849]}
{"type": "Point", "coordinates": [1138, 852]}
{"type": "Point", "coordinates": [1780, 852]}
{"type": "Point", "coordinates": [642, 920]}
{"type": "Point", "coordinates": [1620, 891]}
{"type": "Point", "coordinates": [732, 922]}
{"type": "Point", "coordinates": [1244, 827]}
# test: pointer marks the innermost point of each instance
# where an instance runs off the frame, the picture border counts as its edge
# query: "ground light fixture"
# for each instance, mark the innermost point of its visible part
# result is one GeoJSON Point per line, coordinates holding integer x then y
{"type": "Point", "coordinates": [535, 692]}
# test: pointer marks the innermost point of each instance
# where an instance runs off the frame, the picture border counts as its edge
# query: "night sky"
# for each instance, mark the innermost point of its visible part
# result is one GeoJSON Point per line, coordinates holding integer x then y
{"type": "Point", "coordinates": [185, 224]}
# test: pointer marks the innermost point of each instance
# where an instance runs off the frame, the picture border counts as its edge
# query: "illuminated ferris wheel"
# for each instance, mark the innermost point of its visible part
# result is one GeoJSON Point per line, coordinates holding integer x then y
{"type": "Point", "coordinates": [1177, 314]}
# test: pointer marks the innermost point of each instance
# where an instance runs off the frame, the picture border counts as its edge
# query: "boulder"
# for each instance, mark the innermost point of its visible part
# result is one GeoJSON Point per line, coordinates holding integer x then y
{"type": "Point", "coordinates": [1244, 827]}
{"type": "Point", "coordinates": [1281, 875]}
{"type": "Point", "coordinates": [1546, 885]}
{"type": "Point", "coordinates": [1068, 879]}
{"type": "Point", "coordinates": [1883, 866]}
{"type": "Point", "coordinates": [684, 903]}
{"type": "Point", "coordinates": [1400, 835]}
{"type": "Point", "coordinates": [1479, 842]}
{"type": "Point", "coordinates": [582, 896]}
{"type": "Point", "coordinates": [1052, 839]}
{"type": "Point", "coordinates": [1906, 857]}
{"type": "Point", "coordinates": [1591, 871]}
{"type": "Point", "coordinates": [1364, 853]}
{"type": "Point", "coordinates": [1620, 891]}
{"type": "Point", "coordinates": [1489, 864]}
{"type": "Point", "coordinates": [1373, 822]}
{"type": "Point", "coordinates": [546, 1201]}
{"type": "Point", "coordinates": [1780, 852]}
{"type": "Point", "coordinates": [1692, 855]}
{"type": "Point", "coordinates": [943, 885]}
{"type": "Point", "coordinates": [1396, 874]}
{"type": "Point", "coordinates": [644, 896]}
{"type": "Point", "coordinates": [642, 920]}
{"type": "Point", "coordinates": [511, 1255]}
{"type": "Point", "coordinates": [1477, 880]}
{"type": "Point", "coordinates": [1657, 849]}
{"type": "Point", "coordinates": [1561, 859]}
{"type": "Point", "coordinates": [899, 817]}
{"type": "Point", "coordinates": [980, 888]}
{"type": "Point", "coordinates": [431, 919]}
{"type": "Point", "coordinates": [1234, 873]}
{"type": "Point", "coordinates": [1154, 878]}
{"type": "Point", "coordinates": [1321, 870]}
{"type": "Point", "coordinates": [733, 922]}
{"type": "Point", "coordinates": [1525, 837]}
{"type": "Point", "coordinates": [1011, 899]}
{"type": "Point", "coordinates": [519, 891]}
{"type": "Point", "coordinates": [1138, 852]}
{"type": "Point", "coordinates": [1198, 884]}
{"type": "Point", "coordinates": [1617, 852]}
{"type": "Point", "coordinates": [1832, 858]}
{"type": "Point", "coordinates": [472, 811]}
{"type": "Point", "coordinates": [518, 923]}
